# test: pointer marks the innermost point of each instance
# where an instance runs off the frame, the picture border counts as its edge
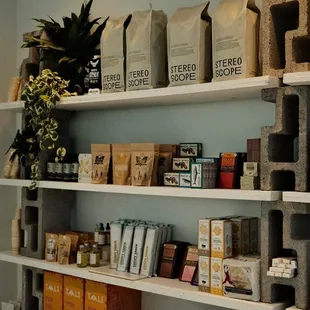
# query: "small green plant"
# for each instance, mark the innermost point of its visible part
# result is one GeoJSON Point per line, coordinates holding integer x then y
{"type": "Point", "coordinates": [72, 46]}
{"type": "Point", "coordinates": [40, 95]}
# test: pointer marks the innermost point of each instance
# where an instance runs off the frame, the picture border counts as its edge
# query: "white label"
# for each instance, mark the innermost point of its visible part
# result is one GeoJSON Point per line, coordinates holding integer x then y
{"type": "Point", "coordinates": [75, 168]}
{"type": "Point", "coordinates": [101, 239]}
{"type": "Point", "coordinates": [67, 168]}
{"type": "Point", "coordinates": [79, 259]}
{"type": "Point", "coordinates": [58, 168]}
{"type": "Point", "coordinates": [93, 259]}
{"type": "Point", "coordinates": [51, 167]}
{"type": "Point", "coordinates": [96, 237]}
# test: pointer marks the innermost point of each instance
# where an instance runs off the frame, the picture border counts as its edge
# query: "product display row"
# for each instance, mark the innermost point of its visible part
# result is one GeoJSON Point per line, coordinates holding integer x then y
{"type": "Point", "coordinates": [134, 49]}
{"type": "Point", "coordinates": [149, 164]}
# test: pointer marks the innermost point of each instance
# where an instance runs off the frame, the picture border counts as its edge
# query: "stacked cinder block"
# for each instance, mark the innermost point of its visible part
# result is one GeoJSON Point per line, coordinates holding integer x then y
{"type": "Point", "coordinates": [286, 36]}
{"type": "Point", "coordinates": [285, 146]}
{"type": "Point", "coordinates": [285, 232]}
{"type": "Point", "coordinates": [44, 210]}
{"type": "Point", "coordinates": [32, 289]}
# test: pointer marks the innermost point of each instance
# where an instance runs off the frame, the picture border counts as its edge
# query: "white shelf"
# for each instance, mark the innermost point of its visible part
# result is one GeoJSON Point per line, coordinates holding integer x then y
{"type": "Point", "coordinates": [159, 286]}
{"type": "Point", "coordinates": [297, 78]}
{"type": "Point", "coordinates": [296, 197]}
{"type": "Point", "coordinates": [231, 194]}
{"type": "Point", "coordinates": [242, 89]}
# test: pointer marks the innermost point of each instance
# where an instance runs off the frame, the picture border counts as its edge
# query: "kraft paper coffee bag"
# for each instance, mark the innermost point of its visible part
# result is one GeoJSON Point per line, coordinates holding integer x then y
{"type": "Point", "coordinates": [235, 40]}
{"type": "Point", "coordinates": [189, 46]}
{"type": "Point", "coordinates": [146, 38]}
{"type": "Point", "coordinates": [113, 54]}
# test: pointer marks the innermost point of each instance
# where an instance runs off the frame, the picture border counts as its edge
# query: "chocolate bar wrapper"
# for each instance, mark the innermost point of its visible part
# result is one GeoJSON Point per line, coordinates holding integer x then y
{"type": "Point", "coordinates": [171, 179]}
{"type": "Point", "coordinates": [181, 164]}
{"type": "Point", "coordinates": [189, 264]}
{"type": "Point", "coordinates": [185, 179]}
{"type": "Point", "coordinates": [190, 149]}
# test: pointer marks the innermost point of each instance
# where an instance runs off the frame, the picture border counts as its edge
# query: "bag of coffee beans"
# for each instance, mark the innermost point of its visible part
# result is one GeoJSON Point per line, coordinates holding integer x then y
{"type": "Point", "coordinates": [146, 38]}
{"type": "Point", "coordinates": [189, 46]}
{"type": "Point", "coordinates": [113, 52]}
{"type": "Point", "coordinates": [235, 40]}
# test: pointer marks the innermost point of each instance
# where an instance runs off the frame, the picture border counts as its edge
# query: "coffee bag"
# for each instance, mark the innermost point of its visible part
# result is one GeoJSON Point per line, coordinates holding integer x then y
{"type": "Point", "coordinates": [235, 40]}
{"type": "Point", "coordinates": [113, 52]}
{"type": "Point", "coordinates": [101, 156]}
{"type": "Point", "coordinates": [189, 46]}
{"type": "Point", "coordinates": [144, 164]}
{"type": "Point", "coordinates": [121, 154]}
{"type": "Point", "coordinates": [146, 38]}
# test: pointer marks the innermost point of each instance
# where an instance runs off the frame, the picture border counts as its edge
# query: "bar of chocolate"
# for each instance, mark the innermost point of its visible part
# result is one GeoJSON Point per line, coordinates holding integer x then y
{"type": "Point", "coordinates": [189, 264]}
{"type": "Point", "coordinates": [253, 150]}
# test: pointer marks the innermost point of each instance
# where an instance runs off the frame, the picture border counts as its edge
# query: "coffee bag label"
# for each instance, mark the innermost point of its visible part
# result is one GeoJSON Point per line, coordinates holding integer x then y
{"type": "Point", "coordinates": [189, 46]}
{"type": "Point", "coordinates": [235, 38]}
{"type": "Point", "coordinates": [146, 50]}
{"type": "Point", "coordinates": [113, 51]}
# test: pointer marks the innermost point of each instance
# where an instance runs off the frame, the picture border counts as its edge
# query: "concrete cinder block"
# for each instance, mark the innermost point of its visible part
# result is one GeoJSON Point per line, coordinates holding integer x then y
{"type": "Point", "coordinates": [286, 36]}
{"type": "Point", "coordinates": [285, 146]}
{"type": "Point", "coordinates": [44, 210]}
{"type": "Point", "coordinates": [285, 232]}
{"type": "Point", "coordinates": [32, 289]}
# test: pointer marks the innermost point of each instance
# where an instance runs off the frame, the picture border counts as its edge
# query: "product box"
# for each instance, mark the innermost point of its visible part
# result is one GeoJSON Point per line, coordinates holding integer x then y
{"type": "Point", "coordinates": [185, 179]}
{"type": "Point", "coordinates": [125, 251]}
{"type": "Point", "coordinates": [137, 249]}
{"type": "Point", "coordinates": [231, 166]}
{"type": "Point", "coordinates": [253, 150]}
{"type": "Point", "coordinates": [190, 149]}
{"type": "Point", "coordinates": [53, 290]}
{"type": "Point", "coordinates": [213, 160]}
{"type": "Point", "coordinates": [204, 175]}
{"type": "Point", "coordinates": [204, 274]}
{"type": "Point", "coordinates": [189, 264]}
{"type": "Point", "coordinates": [241, 278]}
{"type": "Point", "coordinates": [171, 178]}
{"type": "Point", "coordinates": [85, 168]}
{"type": "Point", "coordinates": [100, 296]}
{"type": "Point", "coordinates": [116, 239]}
{"type": "Point", "coordinates": [73, 293]}
{"type": "Point", "coordinates": [254, 248]}
{"type": "Point", "coordinates": [251, 169]}
{"type": "Point", "coordinates": [240, 235]}
{"type": "Point", "coordinates": [204, 236]}
{"type": "Point", "coordinates": [181, 164]}
{"type": "Point", "coordinates": [221, 238]}
{"type": "Point", "coordinates": [216, 276]}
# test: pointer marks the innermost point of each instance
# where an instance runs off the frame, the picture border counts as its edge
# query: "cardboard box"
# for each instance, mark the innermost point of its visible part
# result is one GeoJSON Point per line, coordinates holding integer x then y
{"type": "Point", "coordinates": [204, 274]}
{"type": "Point", "coordinates": [216, 276]}
{"type": "Point", "coordinates": [240, 236]}
{"type": "Point", "coordinates": [53, 291]}
{"type": "Point", "coordinates": [204, 236]}
{"type": "Point", "coordinates": [100, 296]}
{"type": "Point", "coordinates": [73, 293]}
{"type": "Point", "coordinates": [221, 238]}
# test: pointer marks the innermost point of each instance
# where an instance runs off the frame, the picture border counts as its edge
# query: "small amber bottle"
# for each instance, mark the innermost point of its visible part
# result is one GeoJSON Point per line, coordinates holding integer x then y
{"type": "Point", "coordinates": [82, 257]}
{"type": "Point", "coordinates": [95, 256]}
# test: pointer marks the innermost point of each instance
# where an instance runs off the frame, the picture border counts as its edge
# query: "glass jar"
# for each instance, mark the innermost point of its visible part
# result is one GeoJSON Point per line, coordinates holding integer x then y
{"type": "Point", "coordinates": [82, 257]}
{"type": "Point", "coordinates": [95, 256]}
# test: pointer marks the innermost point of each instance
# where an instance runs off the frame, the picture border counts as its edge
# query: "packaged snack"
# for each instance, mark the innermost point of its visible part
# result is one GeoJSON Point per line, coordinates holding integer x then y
{"type": "Point", "coordinates": [121, 154]}
{"type": "Point", "coordinates": [51, 244]}
{"type": "Point", "coordinates": [101, 156]}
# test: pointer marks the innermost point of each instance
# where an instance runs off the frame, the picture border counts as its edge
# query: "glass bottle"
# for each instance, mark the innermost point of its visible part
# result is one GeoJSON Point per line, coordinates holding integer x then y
{"type": "Point", "coordinates": [95, 256]}
{"type": "Point", "coordinates": [101, 237]}
{"type": "Point", "coordinates": [82, 257]}
{"type": "Point", "coordinates": [51, 168]}
{"type": "Point", "coordinates": [107, 235]}
{"type": "Point", "coordinates": [87, 248]}
{"type": "Point", "coordinates": [67, 168]}
{"type": "Point", "coordinates": [74, 169]}
{"type": "Point", "coordinates": [97, 230]}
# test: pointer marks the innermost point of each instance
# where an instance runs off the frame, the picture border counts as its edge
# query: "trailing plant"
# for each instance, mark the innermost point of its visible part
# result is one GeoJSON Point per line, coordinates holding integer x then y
{"type": "Point", "coordinates": [73, 45]}
{"type": "Point", "coordinates": [41, 132]}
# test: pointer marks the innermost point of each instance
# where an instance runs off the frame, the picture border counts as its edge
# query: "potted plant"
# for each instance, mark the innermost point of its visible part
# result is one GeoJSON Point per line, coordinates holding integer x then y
{"type": "Point", "coordinates": [41, 127]}
{"type": "Point", "coordinates": [71, 46]}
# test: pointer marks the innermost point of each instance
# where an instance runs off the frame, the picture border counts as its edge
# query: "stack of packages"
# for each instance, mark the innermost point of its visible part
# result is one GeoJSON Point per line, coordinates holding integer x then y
{"type": "Point", "coordinates": [218, 241]}
{"type": "Point", "coordinates": [136, 245]}
{"type": "Point", "coordinates": [189, 169]}
{"type": "Point", "coordinates": [251, 179]}
{"type": "Point", "coordinates": [283, 267]}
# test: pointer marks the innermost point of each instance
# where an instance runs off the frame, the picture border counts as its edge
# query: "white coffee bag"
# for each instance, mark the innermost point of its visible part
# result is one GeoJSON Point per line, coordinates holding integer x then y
{"type": "Point", "coordinates": [113, 52]}
{"type": "Point", "coordinates": [235, 40]}
{"type": "Point", "coordinates": [189, 46]}
{"type": "Point", "coordinates": [146, 50]}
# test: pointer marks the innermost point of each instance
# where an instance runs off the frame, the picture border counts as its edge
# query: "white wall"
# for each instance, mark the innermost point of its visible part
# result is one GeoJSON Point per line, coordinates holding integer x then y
{"type": "Point", "coordinates": [7, 132]}
{"type": "Point", "coordinates": [219, 126]}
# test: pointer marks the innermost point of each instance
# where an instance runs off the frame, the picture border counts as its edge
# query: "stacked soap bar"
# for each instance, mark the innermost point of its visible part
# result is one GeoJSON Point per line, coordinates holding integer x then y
{"type": "Point", "coordinates": [283, 267]}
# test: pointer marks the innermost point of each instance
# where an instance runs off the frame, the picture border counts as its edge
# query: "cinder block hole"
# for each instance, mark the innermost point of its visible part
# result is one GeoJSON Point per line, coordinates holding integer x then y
{"type": "Point", "coordinates": [283, 292]}
{"type": "Point", "coordinates": [283, 180]}
{"type": "Point", "coordinates": [33, 238]}
{"type": "Point", "coordinates": [275, 221]}
{"type": "Point", "coordinates": [284, 147]}
{"type": "Point", "coordinates": [32, 194]}
{"type": "Point", "coordinates": [39, 282]}
{"type": "Point", "coordinates": [31, 301]}
{"type": "Point", "coordinates": [301, 49]}
{"type": "Point", "coordinates": [31, 215]}
{"type": "Point", "coordinates": [300, 227]}
{"type": "Point", "coordinates": [285, 17]}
